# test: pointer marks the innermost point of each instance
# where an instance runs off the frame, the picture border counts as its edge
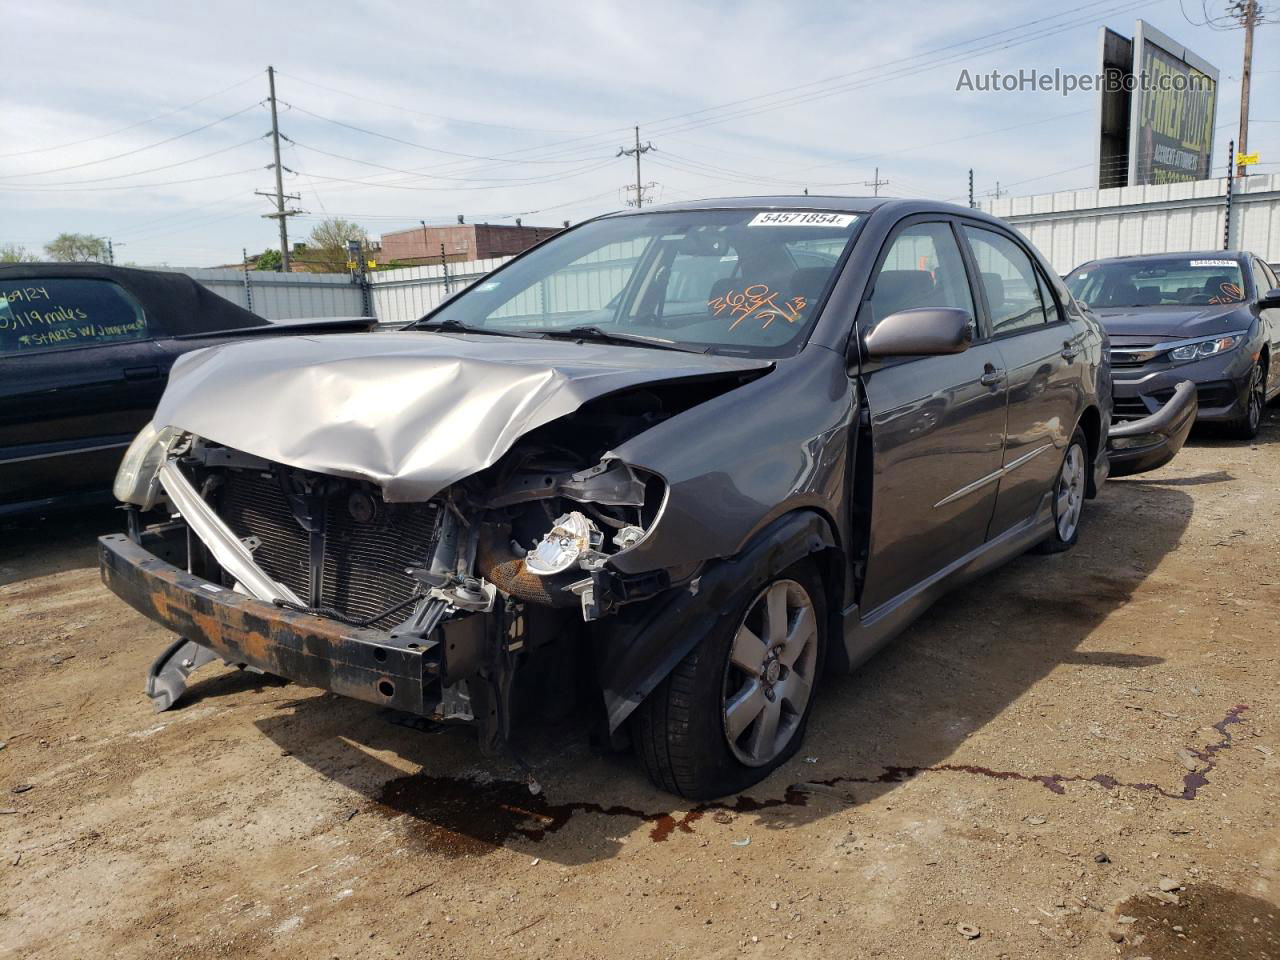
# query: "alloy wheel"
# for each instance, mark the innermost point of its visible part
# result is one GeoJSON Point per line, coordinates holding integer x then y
{"type": "Point", "coordinates": [1070, 494]}
{"type": "Point", "coordinates": [1257, 397]}
{"type": "Point", "coordinates": [770, 674]}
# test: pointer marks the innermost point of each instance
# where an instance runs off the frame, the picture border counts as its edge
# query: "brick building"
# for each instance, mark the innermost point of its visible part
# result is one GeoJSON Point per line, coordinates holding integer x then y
{"type": "Point", "coordinates": [463, 241]}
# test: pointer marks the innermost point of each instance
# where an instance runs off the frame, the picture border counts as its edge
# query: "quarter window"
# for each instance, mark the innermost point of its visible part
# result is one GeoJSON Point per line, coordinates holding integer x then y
{"type": "Point", "coordinates": [1009, 280]}
{"type": "Point", "coordinates": [57, 313]}
{"type": "Point", "coordinates": [923, 268]}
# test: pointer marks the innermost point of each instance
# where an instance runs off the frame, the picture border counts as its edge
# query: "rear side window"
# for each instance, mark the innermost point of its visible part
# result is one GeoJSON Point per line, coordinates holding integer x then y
{"type": "Point", "coordinates": [59, 313]}
{"type": "Point", "coordinates": [1009, 280]}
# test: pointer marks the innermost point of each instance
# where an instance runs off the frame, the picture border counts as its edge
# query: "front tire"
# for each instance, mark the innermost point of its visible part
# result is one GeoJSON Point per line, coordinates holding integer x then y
{"type": "Point", "coordinates": [1246, 426]}
{"type": "Point", "coordinates": [735, 709]}
{"type": "Point", "coordinates": [1069, 491]}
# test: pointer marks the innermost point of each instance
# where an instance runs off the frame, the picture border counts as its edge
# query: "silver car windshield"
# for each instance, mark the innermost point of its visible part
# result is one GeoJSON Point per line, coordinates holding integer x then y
{"type": "Point", "coordinates": [743, 282]}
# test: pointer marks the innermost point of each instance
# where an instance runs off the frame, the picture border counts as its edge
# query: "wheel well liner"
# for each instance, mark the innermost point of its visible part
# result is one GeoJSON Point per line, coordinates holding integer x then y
{"type": "Point", "coordinates": [640, 646]}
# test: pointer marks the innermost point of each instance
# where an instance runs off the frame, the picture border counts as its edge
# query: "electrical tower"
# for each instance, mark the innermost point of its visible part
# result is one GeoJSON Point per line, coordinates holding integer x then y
{"type": "Point", "coordinates": [281, 215]}
{"type": "Point", "coordinates": [636, 151]}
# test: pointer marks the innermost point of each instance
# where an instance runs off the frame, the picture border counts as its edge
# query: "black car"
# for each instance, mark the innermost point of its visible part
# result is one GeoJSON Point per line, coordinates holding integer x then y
{"type": "Point", "coordinates": [85, 352]}
{"type": "Point", "coordinates": [1212, 318]}
{"type": "Point", "coordinates": [676, 457]}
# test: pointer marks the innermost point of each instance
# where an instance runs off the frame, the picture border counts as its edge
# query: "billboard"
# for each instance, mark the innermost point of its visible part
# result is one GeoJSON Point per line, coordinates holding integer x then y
{"type": "Point", "coordinates": [1157, 107]}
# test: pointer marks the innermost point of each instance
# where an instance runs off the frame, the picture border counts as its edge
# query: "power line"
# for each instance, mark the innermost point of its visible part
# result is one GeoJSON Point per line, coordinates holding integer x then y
{"type": "Point", "coordinates": [132, 126]}
{"type": "Point", "coordinates": [137, 150]}
{"type": "Point", "coordinates": [140, 173]}
{"type": "Point", "coordinates": [129, 186]}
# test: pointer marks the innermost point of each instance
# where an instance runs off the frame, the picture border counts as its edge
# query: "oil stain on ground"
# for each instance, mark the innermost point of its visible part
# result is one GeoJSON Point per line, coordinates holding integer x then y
{"type": "Point", "coordinates": [1208, 923]}
{"type": "Point", "coordinates": [468, 817]}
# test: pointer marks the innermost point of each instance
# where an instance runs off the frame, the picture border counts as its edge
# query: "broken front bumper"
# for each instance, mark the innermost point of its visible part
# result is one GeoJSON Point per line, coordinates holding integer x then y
{"type": "Point", "coordinates": [313, 651]}
{"type": "Point", "coordinates": [1136, 446]}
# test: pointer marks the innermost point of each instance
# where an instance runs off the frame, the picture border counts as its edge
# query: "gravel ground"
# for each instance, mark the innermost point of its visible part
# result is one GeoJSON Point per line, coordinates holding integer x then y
{"type": "Point", "coordinates": [1075, 756]}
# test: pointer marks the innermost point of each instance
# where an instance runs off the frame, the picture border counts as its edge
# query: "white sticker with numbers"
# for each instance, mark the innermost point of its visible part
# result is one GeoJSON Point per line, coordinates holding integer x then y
{"type": "Point", "coordinates": [801, 218]}
{"type": "Point", "coordinates": [1214, 263]}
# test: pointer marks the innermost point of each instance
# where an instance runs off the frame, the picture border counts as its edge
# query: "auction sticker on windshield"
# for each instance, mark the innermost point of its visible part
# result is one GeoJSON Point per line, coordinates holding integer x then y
{"type": "Point", "coordinates": [801, 218]}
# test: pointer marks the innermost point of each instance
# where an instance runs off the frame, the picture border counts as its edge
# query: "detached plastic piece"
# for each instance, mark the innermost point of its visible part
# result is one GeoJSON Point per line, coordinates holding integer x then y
{"type": "Point", "coordinates": [167, 678]}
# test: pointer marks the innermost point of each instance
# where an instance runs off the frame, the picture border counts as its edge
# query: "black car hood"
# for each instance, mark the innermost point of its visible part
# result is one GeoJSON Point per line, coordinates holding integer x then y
{"type": "Point", "coordinates": [1173, 323]}
{"type": "Point", "coordinates": [411, 411]}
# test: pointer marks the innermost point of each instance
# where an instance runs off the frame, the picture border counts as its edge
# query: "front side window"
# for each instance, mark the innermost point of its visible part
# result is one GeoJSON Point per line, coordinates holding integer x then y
{"type": "Point", "coordinates": [922, 268]}
{"type": "Point", "coordinates": [57, 313]}
{"type": "Point", "coordinates": [728, 281]}
{"type": "Point", "coordinates": [1158, 282]}
{"type": "Point", "coordinates": [1009, 280]}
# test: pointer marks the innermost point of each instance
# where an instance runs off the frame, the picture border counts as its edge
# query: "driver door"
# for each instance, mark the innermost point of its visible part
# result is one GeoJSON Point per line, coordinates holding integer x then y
{"type": "Point", "coordinates": [937, 423]}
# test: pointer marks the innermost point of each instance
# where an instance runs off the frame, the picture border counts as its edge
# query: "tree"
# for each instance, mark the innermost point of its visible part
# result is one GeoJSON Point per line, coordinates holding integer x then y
{"type": "Point", "coordinates": [327, 246]}
{"type": "Point", "coordinates": [14, 253]}
{"type": "Point", "coordinates": [77, 248]}
{"type": "Point", "coordinates": [268, 260]}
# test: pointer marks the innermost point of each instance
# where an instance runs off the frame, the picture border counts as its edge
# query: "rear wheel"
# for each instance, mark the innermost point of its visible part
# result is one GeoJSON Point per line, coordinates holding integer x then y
{"type": "Point", "coordinates": [1068, 496]}
{"type": "Point", "coordinates": [1245, 427]}
{"type": "Point", "coordinates": [736, 707]}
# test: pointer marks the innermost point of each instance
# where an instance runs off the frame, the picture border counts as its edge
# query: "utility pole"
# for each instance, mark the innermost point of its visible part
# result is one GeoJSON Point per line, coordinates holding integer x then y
{"type": "Point", "coordinates": [875, 183]}
{"type": "Point", "coordinates": [111, 252]}
{"type": "Point", "coordinates": [281, 215]}
{"type": "Point", "coordinates": [1247, 10]}
{"type": "Point", "coordinates": [971, 188]}
{"type": "Point", "coordinates": [248, 285]}
{"type": "Point", "coordinates": [1226, 216]}
{"type": "Point", "coordinates": [636, 151]}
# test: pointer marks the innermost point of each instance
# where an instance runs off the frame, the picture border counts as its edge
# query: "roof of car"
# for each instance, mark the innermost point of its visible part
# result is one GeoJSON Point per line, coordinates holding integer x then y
{"type": "Point", "coordinates": [186, 306]}
{"type": "Point", "coordinates": [804, 202]}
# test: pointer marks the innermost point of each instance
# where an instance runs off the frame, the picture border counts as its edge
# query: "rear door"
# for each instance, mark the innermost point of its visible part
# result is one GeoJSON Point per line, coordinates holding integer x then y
{"type": "Point", "coordinates": [937, 423]}
{"type": "Point", "coordinates": [79, 376]}
{"type": "Point", "coordinates": [1038, 347]}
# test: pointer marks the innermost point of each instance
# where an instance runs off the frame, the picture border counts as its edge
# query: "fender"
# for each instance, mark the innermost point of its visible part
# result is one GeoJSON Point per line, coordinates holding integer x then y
{"type": "Point", "coordinates": [639, 647]}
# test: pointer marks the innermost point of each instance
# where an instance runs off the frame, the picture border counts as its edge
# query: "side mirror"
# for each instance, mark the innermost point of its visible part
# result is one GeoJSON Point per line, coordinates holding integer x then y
{"type": "Point", "coordinates": [921, 332]}
{"type": "Point", "coordinates": [1270, 299]}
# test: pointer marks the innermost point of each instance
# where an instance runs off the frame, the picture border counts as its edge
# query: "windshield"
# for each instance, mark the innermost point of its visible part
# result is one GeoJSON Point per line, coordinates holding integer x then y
{"type": "Point", "coordinates": [743, 282]}
{"type": "Point", "coordinates": [1154, 283]}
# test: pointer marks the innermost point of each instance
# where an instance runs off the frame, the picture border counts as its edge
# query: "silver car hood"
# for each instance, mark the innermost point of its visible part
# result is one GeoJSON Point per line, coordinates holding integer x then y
{"type": "Point", "coordinates": [412, 411]}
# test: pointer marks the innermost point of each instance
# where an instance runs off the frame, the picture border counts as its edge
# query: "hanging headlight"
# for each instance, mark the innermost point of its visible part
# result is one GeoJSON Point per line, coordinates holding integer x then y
{"type": "Point", "coordinates": [136, 480]}
{"type": "Point", "coordinates": [570, 538]}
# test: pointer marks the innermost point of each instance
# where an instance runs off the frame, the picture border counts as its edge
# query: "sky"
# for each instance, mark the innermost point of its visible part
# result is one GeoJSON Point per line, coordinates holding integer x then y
{"type": "Point", "coordinates": [146, 122]}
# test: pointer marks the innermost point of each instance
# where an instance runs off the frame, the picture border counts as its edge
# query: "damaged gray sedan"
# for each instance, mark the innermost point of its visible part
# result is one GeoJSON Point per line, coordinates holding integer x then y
{"type": "Point", "coordinates": [670, 463]}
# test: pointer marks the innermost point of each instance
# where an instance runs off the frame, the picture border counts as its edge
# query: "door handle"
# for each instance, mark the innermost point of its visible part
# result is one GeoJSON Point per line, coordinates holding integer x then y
{"type": "Point", "coordinates": [993, 376]}
{"type": "Point", "coordinates": [1069, 351]}
{"type": "Point", "coordinates": [141, 373]}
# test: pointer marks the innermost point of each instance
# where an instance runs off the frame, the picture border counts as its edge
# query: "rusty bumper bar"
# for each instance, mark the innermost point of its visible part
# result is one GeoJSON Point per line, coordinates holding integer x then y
{"type": "Point", "coordinates": [312, 651]}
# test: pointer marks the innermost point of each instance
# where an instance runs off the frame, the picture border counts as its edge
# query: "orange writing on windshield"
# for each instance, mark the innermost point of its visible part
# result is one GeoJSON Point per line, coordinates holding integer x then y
{"type": "Point", "coordinates": [1230, 293]}
{"type": "Point", "coordinates": [757, 301]}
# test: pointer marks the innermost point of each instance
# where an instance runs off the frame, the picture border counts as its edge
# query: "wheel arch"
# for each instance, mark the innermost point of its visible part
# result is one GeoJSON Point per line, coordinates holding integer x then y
{"type": "Point", "coordinates": [641, 645]}
{"type": "Point", "coordinates": [1091, 423]}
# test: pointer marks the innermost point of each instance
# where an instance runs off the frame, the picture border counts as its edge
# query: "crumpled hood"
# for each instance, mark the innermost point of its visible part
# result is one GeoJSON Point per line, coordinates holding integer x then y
{"type": "Point", "coordinates": [412, 411]}
{"type": "Point", "coordinates": [1173, 323]}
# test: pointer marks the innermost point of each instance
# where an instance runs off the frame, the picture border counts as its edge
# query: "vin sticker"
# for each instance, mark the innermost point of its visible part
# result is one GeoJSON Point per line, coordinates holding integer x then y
{"type": "Point", "coordinates": [801, 218]}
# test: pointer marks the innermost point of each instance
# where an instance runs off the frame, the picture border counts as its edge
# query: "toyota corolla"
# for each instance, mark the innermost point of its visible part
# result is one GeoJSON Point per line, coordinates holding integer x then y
{"type": "Point", "coordinates": [678, 458]}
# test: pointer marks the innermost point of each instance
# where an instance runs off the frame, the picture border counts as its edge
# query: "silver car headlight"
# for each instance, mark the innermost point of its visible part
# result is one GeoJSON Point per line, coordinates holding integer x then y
{"type": "Point", "coordinates": [137, 479]}
{"type": "Point", "coordinates": [1208, 347]}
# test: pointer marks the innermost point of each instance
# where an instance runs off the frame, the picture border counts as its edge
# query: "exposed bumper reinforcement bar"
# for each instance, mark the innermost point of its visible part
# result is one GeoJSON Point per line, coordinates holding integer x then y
{"type": "Point", "coordinates": [309, 650]}
{"type": "Point", "coordinates": [1137, 446]}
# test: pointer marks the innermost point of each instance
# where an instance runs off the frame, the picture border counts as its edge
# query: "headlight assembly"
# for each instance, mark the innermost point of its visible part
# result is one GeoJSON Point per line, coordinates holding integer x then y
{"type": "Point", "coordinates": [1199, 349]}
{"type": "Point", "coordinates": [136, 480]}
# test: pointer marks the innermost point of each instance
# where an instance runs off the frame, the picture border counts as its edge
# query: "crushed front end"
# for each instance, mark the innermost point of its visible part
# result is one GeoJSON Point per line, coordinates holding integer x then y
{"type": "Point", "coordinates": [457, 608]}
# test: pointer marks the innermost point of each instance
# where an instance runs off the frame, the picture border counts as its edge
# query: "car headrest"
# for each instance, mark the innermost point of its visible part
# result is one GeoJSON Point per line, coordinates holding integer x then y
{"type": "Point", "coordinates": [808, 282]}
{"type": "Point", "coordinates": [1148, 296]}
{"type": "Point", "coordinates": [718, 289]}
{"type": "Point", "coordinates": [993, 283]}
{"type": "Point", "coordinates": [902, 289]}
{"type": "Point", "coordinates": [1215, 284]}
{"type": "Point", "coordinates": [1122, 295]}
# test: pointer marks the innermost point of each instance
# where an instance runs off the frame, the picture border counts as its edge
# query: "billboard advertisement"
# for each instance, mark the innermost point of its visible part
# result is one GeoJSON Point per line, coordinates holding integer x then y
{"type": "Point", "coordinates": [1157, 109]}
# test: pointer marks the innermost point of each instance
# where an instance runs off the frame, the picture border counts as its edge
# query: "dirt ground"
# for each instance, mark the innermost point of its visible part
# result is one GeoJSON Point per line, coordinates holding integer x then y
{"type": "Point", "coordinates": [1018, 776]}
